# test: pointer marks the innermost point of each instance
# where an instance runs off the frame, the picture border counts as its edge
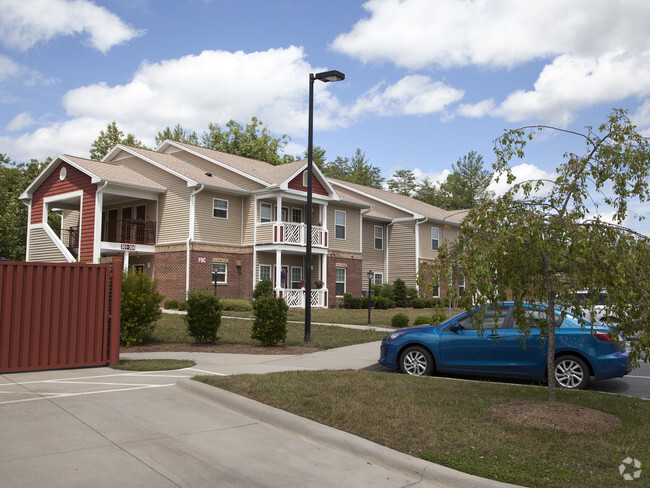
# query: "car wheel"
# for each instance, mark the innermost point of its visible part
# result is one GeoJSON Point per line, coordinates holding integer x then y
{"type": "Point", "coordinates": [416, 361]}
{"type": "Point", "coordinates": [571, 373]}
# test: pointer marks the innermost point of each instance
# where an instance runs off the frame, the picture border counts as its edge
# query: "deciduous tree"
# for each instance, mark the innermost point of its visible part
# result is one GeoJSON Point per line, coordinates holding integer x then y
{"type": "Point", "coordinates": [108, 139]}
{"type": "Point", "coordinates": [402, 182]}
{"type": "Point", "coordinates": [544, 240]}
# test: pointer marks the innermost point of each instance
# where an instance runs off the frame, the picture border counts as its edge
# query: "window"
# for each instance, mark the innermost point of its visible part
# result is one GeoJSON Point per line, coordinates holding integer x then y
{"type": "Point", "coordinates": [435, 233]}
{"type": "Point", "coordinates": [219, 208]}
{"type": "Point", "coordinates": [340, 281]}
{"type": "Point", "coordinates": [219, 272]}
{"type": "Point", "coordinates": [284, 214]}
{"type": "Point", "coordinates": [296, 277]}
{"type": "Point", "coordinates": [305, 178]}
{"type": "Point", "coordinates": [461, 285]}
{"type": "Point", "coordinates": [266, 212]}
{"type": "Point", "coordinates": [296, 215]}
{"type": "Point", "coordinates": [265, 272]}
{"type": "Point", "coordinates": [339, 224]}
{"type": "Point", "coordinates": [379, 237]}
{"type": "Point", "coordinates": [379, 278]}
{"type": "Point", "coordinates": [436, 292]}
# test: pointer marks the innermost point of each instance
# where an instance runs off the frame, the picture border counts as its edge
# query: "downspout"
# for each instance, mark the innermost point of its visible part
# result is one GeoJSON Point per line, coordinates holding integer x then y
{"type": "Point", "coordinates": [190, 236]}
{"type": "Point", "coordinates": [99, 203]}
{"type": "Point", "coordinates": [417, 249]}
{"type": "Point", "coordinates": [29, 224]}
{"type": "Point", "coordinates": [388, 226]}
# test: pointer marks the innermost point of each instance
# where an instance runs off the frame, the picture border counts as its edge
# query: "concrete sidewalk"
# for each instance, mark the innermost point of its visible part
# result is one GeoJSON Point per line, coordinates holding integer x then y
{"type": "Point", "coordinates": [101, 427]}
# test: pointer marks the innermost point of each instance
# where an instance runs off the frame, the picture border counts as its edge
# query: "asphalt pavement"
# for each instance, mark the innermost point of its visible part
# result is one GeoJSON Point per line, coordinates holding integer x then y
{"type": "Point", "coordinates": [101, 427]}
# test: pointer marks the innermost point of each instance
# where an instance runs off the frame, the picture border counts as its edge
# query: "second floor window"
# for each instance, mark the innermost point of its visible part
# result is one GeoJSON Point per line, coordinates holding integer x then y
{"type": "Point", "coordinates": [339, 224]}
{"type": "Point", "coordinates": [435, 233]}
{"type": "Point", "coordinates": [266, 212]}
{"type": "Point", "coordinates": [379, 237]}
{"type": "Point", "coordinates": [219, 208]}
{"type": "Point", "coordinates": [296, 215]}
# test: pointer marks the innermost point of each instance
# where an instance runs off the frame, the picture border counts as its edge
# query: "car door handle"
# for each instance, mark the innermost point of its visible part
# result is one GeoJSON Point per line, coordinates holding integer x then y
{"type": "Point", "coordinates": [494, 336]}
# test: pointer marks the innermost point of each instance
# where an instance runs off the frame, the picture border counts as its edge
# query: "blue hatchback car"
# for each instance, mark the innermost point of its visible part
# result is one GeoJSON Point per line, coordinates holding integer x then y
{"type": "Point", "coordinates": [458, 346]}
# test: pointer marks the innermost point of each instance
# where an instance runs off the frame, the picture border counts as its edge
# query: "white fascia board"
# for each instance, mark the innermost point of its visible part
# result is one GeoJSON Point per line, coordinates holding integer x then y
{"type": "Point", "coordinates": [190, 182]}
{"type": "Point", "coordinates": [167, 143]}
{"type": "Point", "coordinates": [368, 195]}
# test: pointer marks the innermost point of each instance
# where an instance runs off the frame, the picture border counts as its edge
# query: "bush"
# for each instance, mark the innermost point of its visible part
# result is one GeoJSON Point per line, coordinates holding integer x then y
{"type": "Point", "coordinates": [263, 288]}
{"type": "Point", "coordinates": [399, 290]}
{"type": "Point", "coordinates": [422, 320]}
{"type": "Point", "coordinates": [353, 302]}
{"type": "Point", "coordinates": [139, 309]}
{"type": "Point", "coordinates": [382, 303]}
{"type": "Point", "coordinates": [170, 304]}
{"type": "Point", "coordinates": [412, 293]}
{"type": "Point", "coordinates": [203, 316]}
{"type": "Point", "coordinates": [419, 302]}
{"type": "Point", "coordinates": [234, 305]}
{"type": "Point", "coordinates": [270, 324]}
{"type": "Point", "coordinates": [182, 306]}
{"type": "Point", "coordinates": [387, 291]}
{"type": "Point", "coordinates": [438, 318]}
{"type": "Point", "coordinates": [400, 320]}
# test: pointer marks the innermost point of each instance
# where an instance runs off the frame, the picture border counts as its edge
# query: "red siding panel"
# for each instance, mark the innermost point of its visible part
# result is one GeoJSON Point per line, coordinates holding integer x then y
{"type": "Point", "coordinates": [316, 185]}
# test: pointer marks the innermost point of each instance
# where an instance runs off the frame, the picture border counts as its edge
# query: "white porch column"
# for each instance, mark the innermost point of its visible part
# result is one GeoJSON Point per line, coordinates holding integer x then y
{"type": "Point", "coordinates": [278, 271]}
{"type": "Point", "coordinates": [126, 261]}
{"type": "Point", "coordinates": [278, 209]}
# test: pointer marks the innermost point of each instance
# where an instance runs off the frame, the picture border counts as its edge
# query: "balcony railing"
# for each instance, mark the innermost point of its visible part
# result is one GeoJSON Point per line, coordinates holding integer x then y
{"type": "Point", "coordinates": [295, 297]}
{"type": "Point", "coordinates": [131, 231]}
{"type": "Point", "coordinates": [292, 233]}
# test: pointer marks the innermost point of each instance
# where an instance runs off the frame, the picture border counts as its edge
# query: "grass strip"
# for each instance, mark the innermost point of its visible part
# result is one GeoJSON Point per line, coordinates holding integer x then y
{"type": "Point", "coordinates": [449, 422]}
{"type": "Point", "coordinates": [154, 364]}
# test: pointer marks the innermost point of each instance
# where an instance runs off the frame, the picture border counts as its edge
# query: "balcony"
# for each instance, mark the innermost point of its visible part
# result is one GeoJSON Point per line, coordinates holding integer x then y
{"type": "Point", "coordinates": [290, 233]}
{"type": "Point", "coordinates": [129, 231]}
{"type": "Point", "coordinates": [295, 297]}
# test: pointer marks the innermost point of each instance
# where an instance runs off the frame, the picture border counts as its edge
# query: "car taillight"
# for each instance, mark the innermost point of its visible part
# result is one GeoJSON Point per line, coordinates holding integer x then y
{"type": "Point", "coordinates": [603, 336]}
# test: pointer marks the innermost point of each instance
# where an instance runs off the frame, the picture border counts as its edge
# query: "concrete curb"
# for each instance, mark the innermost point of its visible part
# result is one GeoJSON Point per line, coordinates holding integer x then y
{"type": "Point", "coordinates": [434, 474]}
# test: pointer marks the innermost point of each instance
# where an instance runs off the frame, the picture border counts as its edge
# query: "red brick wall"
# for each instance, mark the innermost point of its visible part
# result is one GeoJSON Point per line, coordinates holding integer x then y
{"type": "Point", "coordinates": [75, 180]}
{"type": "Point", "coordinates": [169, 270]}
{"type": "Point", "coordinates": [353, 277]}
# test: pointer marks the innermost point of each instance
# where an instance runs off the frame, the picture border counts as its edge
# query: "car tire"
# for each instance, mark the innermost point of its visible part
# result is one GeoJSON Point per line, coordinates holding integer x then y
{"type": "Point", "coordinates": [571, 373]}
{"type": "Point", "coordinates": [416, 361]}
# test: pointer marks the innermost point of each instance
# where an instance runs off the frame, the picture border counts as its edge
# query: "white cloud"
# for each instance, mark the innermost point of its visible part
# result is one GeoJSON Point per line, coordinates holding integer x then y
{"type": "Point", "coordinates": [522, 172]}
{"type": "Point", "coordinates": [20, 121]}
{"type": "Point", "coordinates": [477, 110]}
{"type": "Point", "coordinates": [420, 33]}
{"type": "Point", "coordinates": [412, 95]}
{"type": "Point", "coordinates": [8, 68]}
{"type": "Point", "coordinates": [24, 23]}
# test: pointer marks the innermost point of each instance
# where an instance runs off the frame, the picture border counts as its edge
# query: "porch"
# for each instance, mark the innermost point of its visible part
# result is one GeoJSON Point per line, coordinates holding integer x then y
{"type": "Point", "coordinates": [291, 233]}
{"type": "Point", "coordinates": [296, 297]}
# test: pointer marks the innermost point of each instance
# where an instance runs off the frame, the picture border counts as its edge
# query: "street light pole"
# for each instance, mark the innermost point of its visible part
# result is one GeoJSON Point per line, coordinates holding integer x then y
{"type": "Point", "coordinates": [326, 77]}
{"type": "Point", "coordinates": [370, 275]}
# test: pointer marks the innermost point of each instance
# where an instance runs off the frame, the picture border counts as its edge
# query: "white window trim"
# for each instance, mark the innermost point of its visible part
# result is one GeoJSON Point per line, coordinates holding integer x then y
{"type": "Point", "coordinates": [305, 178]}
{"type": "Point", "coordinates": [214, 200]}
{"type": "Point", "coordinates": [345, 284]}
{"type": "Point", "coordinates": [225, 273]}
{"type": "Point", "coordinates": [259, 276]}
{"type": "Point", "coordinates": [266, 205]}
{"type": "Point", "coordinates": [293, 209]}
{"type": "Point", "coordinates": [437, 239]}
{"type": "Point", "coordinates": [382, 278]}
{"type": "Point", "coordinates": [345, 222]}
{"type": "Point", "coordinates": [301, 275]}
{"type": "Point", "coordinates": [436, 295]}
{"type": "Point", "coordinates": [374, 237]}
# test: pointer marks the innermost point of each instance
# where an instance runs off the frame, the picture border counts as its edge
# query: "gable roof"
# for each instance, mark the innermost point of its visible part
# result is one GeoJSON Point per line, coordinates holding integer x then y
{"type": "Point", "coordinates": [410, 205]}
{"type": "Point", "coordinates": [98, 172]}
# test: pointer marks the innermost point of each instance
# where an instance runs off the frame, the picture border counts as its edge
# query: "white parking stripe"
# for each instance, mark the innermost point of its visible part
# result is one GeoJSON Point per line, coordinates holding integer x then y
{"type": "Point", "coordinates": [50, 396]}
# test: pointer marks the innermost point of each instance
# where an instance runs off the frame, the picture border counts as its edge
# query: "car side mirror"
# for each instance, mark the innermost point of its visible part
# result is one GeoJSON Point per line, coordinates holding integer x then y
{"type": "Point", "coordinates": [455, 327]}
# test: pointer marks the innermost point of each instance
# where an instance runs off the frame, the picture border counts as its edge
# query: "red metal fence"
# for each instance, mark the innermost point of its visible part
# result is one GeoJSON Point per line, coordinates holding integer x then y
{"type": "Point", "coordinates": [59, 315]}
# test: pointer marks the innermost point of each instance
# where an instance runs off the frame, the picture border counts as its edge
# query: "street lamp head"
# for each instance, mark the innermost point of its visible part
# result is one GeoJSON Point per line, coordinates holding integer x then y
{"type": "Point", "coordinates": [370, 274]}
{"type": "Point", "coordinates": [328, 76]}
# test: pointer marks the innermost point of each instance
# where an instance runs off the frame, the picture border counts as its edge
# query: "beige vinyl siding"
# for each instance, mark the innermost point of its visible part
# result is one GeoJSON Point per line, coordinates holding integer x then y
{"type": "Point", "coordinates": [248, 217]}
{"type": "Point", "coordinates": [214, 229]}
{"type": "Point", "coordinates": [41, 248]}
{"type": "Point", "coordinates": [287, 260]}
{"type": "Point", "coordinates": [173, 221]}
{"type": "Point", "coordinates": [446, 234]}
{"type": "Point", "coordinates": [217, 170]}
{"type": "Point", "coordinates": [352, 239]}
{"type": "Point", "coordinates": [70, 219]}
{"type": "Point", "coordinates": [265, 233]}
{"type": "Point", "coordinates": [373, 259]}
{"type": "Point", "coordinates": [401, 252]}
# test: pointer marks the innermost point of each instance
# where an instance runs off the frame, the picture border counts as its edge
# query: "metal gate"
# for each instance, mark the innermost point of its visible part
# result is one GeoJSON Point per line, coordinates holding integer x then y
{"type": "Point", "coordinates": [59, 315]}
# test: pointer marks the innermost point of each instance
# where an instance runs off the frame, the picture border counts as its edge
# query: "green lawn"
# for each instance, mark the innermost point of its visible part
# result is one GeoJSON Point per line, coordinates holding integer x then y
{"type": "Point", "coordinates": [449, 422]}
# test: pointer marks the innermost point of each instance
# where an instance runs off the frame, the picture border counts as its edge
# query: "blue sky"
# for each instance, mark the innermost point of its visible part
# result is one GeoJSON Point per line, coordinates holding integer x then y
{"type": "Point", "coordinates": [427, 81]}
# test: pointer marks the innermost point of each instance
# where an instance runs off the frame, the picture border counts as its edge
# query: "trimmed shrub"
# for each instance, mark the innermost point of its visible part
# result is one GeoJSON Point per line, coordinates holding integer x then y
{"type": "Point", "coordinates": [419, 302]}
{"type": "Point", "coordinates": [182, 306]}
{"type": "Point", "coordinates": [236, 305]}
{"type": "Point", "coordinates": [422, 320]}
{"type": "Point", "coordinates": [170, 304]}
{"type": "Point", "coordinates": [387, 291]}
{"type": "Point", "coordinates": [400, 320]}
{"type": "Point", "coordinates": [399, 291]}
{"type": "Point", "coordinates": [438, 318]}
{"type": "Point", "coordinates": [140, 308]}
{"type": "Point", "coordinates": [382, 303]}
{"type": "Point", "coordinates": [263, 288]}
{"type": "Point", "coordinates": [203, 316]}
{"type": "Point", "coordinates": [270, 324]}
{"type": "Point", "coordinates": [412, 293]}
